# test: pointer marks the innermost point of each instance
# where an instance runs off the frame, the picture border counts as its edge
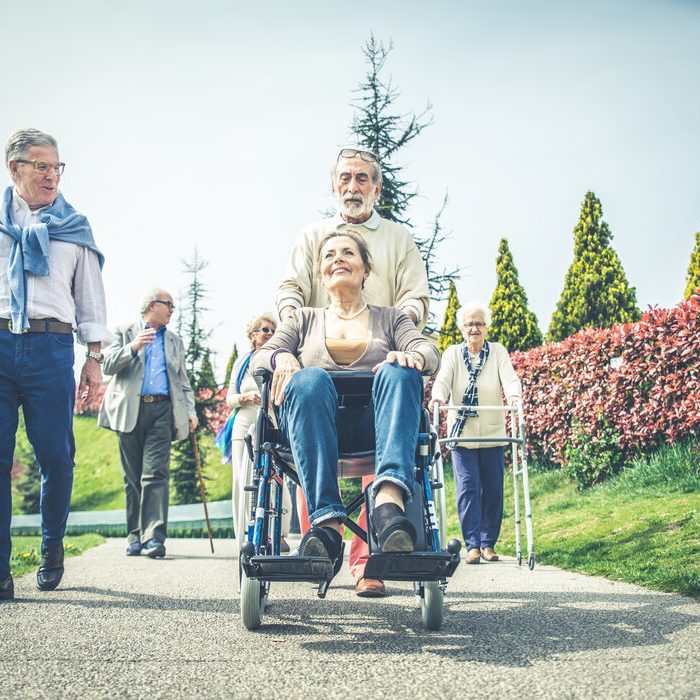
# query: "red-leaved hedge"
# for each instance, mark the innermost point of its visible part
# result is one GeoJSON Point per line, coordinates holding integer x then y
{"type": "Point", "coordinates": [642, 379]}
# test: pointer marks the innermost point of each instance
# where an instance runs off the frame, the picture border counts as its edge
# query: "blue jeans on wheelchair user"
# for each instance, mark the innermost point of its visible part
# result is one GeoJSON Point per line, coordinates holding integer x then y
{"type": "Point", "coordinates": [317, 430]}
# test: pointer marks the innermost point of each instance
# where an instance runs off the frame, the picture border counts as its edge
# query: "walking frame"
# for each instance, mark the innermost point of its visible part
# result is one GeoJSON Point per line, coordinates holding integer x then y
{"type": "Point", "coordinates": [520, 469]}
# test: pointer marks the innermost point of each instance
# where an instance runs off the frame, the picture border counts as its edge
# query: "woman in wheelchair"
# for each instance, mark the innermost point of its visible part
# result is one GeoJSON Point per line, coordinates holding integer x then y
{"type": "Point", "coordinates": [352, 336]}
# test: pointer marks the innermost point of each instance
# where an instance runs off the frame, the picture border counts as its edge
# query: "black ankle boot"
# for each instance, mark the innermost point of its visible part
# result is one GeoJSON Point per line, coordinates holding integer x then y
{"type": "Point", "coordinates": [394, 531]}
{"type": "Point", "coordinates": [321, 541]}
{"type": "Point", "coordinates": [51, 569]}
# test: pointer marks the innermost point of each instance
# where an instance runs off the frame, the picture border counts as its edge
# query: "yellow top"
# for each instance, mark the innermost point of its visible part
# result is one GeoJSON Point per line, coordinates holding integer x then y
{"type": "Point", "coordinates": [344, 351]}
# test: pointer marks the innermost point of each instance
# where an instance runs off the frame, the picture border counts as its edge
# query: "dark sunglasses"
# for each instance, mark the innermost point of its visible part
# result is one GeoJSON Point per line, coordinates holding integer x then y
{"type": "Point", "coordinates": [265, 329]}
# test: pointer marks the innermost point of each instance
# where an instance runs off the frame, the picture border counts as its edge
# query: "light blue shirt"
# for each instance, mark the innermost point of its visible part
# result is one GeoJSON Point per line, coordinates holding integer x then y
{"type": "Point", "coordinates": [155, 375]}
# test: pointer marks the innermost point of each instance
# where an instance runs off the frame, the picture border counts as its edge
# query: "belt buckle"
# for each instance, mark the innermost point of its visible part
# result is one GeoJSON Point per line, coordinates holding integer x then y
{"type": "Point", "coordinates": [148, 399]}
{"type": "Point", "coordinates": [9, 327]}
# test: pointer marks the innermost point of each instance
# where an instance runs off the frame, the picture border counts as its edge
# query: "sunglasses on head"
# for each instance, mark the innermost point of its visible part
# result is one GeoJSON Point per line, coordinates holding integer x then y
{"type": "Point", "coordinates": [367, 156]}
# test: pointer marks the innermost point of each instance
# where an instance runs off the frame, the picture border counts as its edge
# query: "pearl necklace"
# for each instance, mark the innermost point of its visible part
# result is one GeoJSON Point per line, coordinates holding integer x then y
{"type": "Point", "coordinates": [351, 316]}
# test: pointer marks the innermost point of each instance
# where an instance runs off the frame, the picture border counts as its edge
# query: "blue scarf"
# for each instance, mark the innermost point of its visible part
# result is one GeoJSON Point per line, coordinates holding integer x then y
{"type": "Point", "coordinates": [223, 438]}
{"type": "Point", "coordinates": [470, 400]}
{"type": "Point", "coordinates": [30, 248]}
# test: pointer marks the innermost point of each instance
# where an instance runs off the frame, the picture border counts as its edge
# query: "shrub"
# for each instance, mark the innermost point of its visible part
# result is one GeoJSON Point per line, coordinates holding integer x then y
{"type": "Point", "coordinates": [640, 379]}
{"type": "Point", "coordinates": [590, 460]}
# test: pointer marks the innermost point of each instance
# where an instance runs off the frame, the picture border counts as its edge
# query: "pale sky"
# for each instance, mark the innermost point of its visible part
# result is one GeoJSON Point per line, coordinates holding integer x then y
{"type": "Point", "coordinates": [215, 124]}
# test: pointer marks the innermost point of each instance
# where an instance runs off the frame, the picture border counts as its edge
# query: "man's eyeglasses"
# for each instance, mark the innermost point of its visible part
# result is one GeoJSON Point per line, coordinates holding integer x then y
{"type": "Point", "coordinates": [169, 304]}
{"type": "Point", "coordinates": [475, 324]}
{"type": "Point", "coordinates": [265, 329]}
{"type": "Point", "coordinates": [367, 156]}
{"type": "Point", "coordinates": [41, 166]}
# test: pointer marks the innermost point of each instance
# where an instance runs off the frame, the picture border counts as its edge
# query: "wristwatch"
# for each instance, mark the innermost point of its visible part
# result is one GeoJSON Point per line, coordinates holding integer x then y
{"type": "Point", "coordinates": [95, 356]}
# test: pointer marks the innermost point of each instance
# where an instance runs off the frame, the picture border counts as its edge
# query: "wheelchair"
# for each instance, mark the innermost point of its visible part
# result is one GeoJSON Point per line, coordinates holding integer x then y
{"type": "Point", "coordinates": [428, 566]}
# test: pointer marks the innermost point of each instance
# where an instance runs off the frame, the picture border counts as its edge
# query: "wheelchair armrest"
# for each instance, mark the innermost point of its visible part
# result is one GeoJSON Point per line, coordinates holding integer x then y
{"type": "Point", "coordinates": [262, 376]}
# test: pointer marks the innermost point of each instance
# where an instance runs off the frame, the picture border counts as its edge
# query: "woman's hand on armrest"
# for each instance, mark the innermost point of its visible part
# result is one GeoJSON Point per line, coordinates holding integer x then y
{"type": "Point", "coordinates": [286, 365]}
{"type": "Point", "coordinates": [405, 359]}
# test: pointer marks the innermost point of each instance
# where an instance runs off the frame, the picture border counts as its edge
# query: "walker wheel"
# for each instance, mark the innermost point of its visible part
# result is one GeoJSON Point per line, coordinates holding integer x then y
{"type": "Point", "coordinates": [531, 562]}
{"type": "Point", "coordinates": [520, 559]}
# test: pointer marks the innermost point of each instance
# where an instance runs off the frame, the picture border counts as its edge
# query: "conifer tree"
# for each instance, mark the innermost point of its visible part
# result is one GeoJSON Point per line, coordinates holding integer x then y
{"type": "Point", "coordinates": [596, 292]}
{"type": "Point", "coordinates": [692, 278]}
{"type": "Point", "coordinates": [450, 334]}
{"type": "Point", "coordinates": [512, 323]}
{"type": "Point", "coordinates": [377, 127]}
{"type": "Point", "coordinates": [206, 372]}
{"type": "Point", "coordinates": [229, 366]}
{"type": "Point", "coordinates": [194, 336]}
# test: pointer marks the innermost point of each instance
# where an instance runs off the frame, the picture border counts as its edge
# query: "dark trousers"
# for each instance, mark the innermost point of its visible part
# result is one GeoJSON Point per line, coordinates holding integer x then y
{"type": "Point", "coordinates": [145, 457]}
{"type": "Point", "coordinates": [36, 371]}
{"type": "Point", "coordinates": [478, 477]}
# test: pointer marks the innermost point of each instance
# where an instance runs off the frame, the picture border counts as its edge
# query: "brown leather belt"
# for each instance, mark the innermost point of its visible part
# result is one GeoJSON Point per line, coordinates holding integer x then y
{"type": "Point", "coordinates": [39, 325]}
{"type": "Point", "coordinates": [154, 398]}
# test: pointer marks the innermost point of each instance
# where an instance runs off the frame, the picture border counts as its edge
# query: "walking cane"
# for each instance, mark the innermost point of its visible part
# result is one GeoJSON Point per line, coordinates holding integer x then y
{"type": "Point", "coordinates": [201, 488]}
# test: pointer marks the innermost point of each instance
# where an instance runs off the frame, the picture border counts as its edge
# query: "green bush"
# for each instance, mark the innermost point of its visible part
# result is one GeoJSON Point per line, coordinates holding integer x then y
{"type": "Point", "coordinates": [590, 460]}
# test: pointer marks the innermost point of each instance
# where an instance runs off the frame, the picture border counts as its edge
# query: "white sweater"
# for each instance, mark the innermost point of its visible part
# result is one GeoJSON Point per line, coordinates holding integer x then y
{"type": "Point", "coordinates": [497, 377]}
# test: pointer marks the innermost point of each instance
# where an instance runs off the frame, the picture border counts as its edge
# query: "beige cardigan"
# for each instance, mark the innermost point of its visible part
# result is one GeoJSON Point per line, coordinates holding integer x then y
{"type": "Point", "coordinates": [304, 334]}
{"type": "Point", "coordinates": [497, 377]}
{"type": "Point", "coordinates": [398, 279]}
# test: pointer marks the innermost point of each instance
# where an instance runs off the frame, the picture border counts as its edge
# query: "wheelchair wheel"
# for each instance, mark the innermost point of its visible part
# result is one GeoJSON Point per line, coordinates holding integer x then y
{"type": "Point", "coordinates": [253, 596]}
{"type": "Point", "coordinates": [431, 605]}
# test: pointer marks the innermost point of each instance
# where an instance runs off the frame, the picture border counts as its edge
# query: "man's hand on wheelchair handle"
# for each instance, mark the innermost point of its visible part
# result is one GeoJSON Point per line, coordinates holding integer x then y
{"type": "Point", "coordinates": [286, 366]}
{"type": "Point", "coordinates": [405, 359]}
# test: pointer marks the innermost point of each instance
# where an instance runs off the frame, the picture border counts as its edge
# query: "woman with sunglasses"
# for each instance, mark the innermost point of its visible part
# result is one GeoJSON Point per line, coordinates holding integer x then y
{"type": "Point", "coordinates": [244, 398]}
{"type": "Point", "coordinates": [477, 372]}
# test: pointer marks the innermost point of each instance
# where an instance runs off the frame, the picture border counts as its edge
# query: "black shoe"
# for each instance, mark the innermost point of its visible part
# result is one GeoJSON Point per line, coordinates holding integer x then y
{"type": "Point", "coordinates": [51, 568]}
{"type": "Point", "coordinates": [321, 542]}
{"type": "Point", "coordinates": [134, 549]}
{"type": "Point", "coordinates": [394, 531]}
{"type": "Point", "coordinates": [7, 589]}
{"type": "Point", "coordinates": [154, 548]}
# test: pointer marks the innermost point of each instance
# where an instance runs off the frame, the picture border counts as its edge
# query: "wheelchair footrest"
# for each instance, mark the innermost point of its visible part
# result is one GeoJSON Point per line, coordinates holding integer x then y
{"type": "Point", "coordinates": [270, 568]}
{"type": "Point", "coordinates": [416, 566]}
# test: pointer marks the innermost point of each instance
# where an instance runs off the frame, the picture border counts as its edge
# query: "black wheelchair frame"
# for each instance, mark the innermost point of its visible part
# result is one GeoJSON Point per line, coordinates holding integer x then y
{"type": "Point", "coordinates": [428, 566]}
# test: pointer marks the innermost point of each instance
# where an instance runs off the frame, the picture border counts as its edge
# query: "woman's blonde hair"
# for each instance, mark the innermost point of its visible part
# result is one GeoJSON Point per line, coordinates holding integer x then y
{"type": "Point", "coordinates": [361, 245]}
{"type": "Point", "coordinates": [255, 321]}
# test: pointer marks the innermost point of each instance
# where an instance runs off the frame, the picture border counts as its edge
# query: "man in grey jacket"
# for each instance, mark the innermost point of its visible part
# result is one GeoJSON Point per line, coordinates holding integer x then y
{"type": "Point", "coordinates": [149, 403]}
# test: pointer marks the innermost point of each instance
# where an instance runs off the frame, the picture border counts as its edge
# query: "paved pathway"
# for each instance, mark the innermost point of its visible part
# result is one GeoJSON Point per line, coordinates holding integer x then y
{"type": "Point", "coordinates": [121, 627]}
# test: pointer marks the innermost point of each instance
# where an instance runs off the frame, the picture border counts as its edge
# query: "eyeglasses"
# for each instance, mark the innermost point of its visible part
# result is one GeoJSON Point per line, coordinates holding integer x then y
{"type": "Point", "coordinates": [475, 324]}
{"type": "Point", "coordinates": [169, 304]}
{"type": "Point", "coordinates": [265, 329]}
{"type": "Point", "coordinates": [367, 156]}
{"type": "Point", "coordinates": [41, 166]}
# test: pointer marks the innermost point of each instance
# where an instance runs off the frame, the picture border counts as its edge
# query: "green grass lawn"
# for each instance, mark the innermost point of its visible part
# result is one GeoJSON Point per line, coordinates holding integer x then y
{"type": "Point", "coordinates": [26, 551]}
{"type": "Point", "coordinates": [98, 483]}
{"type": "Point", "coordinates": [642, 526]}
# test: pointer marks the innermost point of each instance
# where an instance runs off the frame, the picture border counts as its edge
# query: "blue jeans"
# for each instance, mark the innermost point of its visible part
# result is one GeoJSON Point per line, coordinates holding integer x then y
{"type": "Point", "coordinates": [478, 477]}
{"type": "Point", "coordinates": [317, 429]}
{"type": "Point", "coordinates": [36, 371]}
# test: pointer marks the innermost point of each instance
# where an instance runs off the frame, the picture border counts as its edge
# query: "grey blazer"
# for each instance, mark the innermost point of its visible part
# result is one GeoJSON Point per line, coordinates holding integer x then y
{"type": "Point", "coordinates": [122, 400]}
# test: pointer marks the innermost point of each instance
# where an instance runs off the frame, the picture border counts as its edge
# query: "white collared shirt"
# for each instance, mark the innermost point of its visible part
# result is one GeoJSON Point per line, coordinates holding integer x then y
{"type": "Point", "coordinates": [72, 292]}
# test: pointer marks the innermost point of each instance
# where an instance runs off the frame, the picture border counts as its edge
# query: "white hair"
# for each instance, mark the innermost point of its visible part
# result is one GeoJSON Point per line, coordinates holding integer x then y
{"type": "Point", "coordinates": [473, 307]}
{"type": "Point", "coordinates": [21, 141]}
{"type": "Point", "coordinates": [152, 295]}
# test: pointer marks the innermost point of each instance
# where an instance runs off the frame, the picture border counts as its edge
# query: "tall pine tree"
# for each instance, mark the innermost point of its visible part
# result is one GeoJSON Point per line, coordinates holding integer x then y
{"type": "Point", "coordinates": [692, 277]}
{"type": "Point", "coordinates": [206, 372]}
{"type": "Point", "coordinates": [377, 127]}
{"type": "Point", "coordinates": [450, 333]}
{"type": "Point", "coordinates": [194, 336]}
{"type": "Point", "coordinates": [596, 292]}
{"type": "Point", "coordinates": [229, 366]}
{"type": "Point", "coordinates": [512, 323]}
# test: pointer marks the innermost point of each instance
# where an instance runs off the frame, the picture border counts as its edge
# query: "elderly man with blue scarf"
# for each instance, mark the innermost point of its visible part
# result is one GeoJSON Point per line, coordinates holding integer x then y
{"type": "Point", "coordinates": [50, 285]}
